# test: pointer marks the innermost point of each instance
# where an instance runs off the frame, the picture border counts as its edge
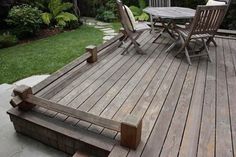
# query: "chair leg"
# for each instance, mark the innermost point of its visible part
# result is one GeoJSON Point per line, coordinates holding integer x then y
{"type": "Point", "coordinates": [158, 36]}
{"type": "Point", "coordinates": [187, 56]}
{"type": "Point", "coordinates": [152, 24]}
{"type": "Point", "coordinates": [136, 46]}
{"type": "Point", "coordinates": [126, 49]}
{"type": "Point", "coordinates": [184, 46]}
{"type": "Point", "coordinates": [207, 50]}
{"type": "Point", "coordinates": [165, 29]}
{"type": "Point", "coordinates": [172, 45]}
{"type": "Point", "coordinates": [211, 39]}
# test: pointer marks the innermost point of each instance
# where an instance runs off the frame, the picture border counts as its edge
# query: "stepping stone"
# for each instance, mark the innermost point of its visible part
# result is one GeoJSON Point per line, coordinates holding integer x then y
{"type": "Point", "coordinates": [108, 37]}
{"type": "Point", "coordinates": [99, 27]}
{"type": "Point", "coordinates": [90, 24]}
{"type": "Point", "coordinates": [111, 34]}
{"type": "Point", "coordinates": [109, 31]}
{"type": "Point", "coordinates": [106, 29]}
{"type": "Point", "coordinates": [102, 23]}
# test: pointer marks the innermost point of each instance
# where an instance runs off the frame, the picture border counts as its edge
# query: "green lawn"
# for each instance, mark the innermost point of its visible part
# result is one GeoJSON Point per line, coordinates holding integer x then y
{"type": "Point", "coordinates": [46, 55]}
{"type": "Point", "coordinates": [116, 26]}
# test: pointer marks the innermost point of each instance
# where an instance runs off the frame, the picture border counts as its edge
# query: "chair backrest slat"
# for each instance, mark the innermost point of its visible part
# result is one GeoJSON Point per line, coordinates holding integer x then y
{"type": "Point", "coordinates": [159, 3]}
{"type": "Point", "coordinates": [208, 19]}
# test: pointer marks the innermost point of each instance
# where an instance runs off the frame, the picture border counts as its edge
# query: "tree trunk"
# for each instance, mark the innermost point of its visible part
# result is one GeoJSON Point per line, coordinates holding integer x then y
{"type": "Point", "coordinates": [76, 8]}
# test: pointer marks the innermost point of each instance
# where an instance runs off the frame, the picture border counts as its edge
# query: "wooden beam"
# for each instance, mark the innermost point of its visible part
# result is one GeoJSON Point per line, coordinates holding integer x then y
{"type": "Point", "coordinates": [88, 117]}
{"type": "Point", "coordinates": [131, 130]}
{"type": "Point", "coordinates": [16, 101]}
{"type": "Point", "coordinates": [21, 93]}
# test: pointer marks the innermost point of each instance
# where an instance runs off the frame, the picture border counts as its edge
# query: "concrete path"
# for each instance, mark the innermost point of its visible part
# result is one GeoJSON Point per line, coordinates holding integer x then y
{"type": "Point", "coordinates": [13, 144]}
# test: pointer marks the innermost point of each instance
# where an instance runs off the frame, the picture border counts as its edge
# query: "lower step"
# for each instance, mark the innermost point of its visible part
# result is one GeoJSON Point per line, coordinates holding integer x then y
{"type": "Point", "coordinates": [60, 135]}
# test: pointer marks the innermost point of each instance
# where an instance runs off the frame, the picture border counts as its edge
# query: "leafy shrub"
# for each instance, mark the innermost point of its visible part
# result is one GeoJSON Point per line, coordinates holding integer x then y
{"type": "Point", "coordinates": [106, 16]}
{"type": "Point", "coordinates": [57, 15]}
{"type": "Point", "coordinates": [24, 20]}
{"type": "Point", "coordinates": [138, 11]}
{"type": "Point", "coordinates": [73, 24]}
{"type": "Point", "coordinates": [7, 40]}
{"type": "Point", "coordinates": [107, 12]}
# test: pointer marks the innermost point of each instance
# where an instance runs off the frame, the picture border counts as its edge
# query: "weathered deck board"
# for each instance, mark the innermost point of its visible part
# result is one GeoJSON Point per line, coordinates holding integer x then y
{"type": "Point", "coordinates": [187, 110]}
{"type": "Point", "coordinates": [129, 75]}
{"type": "Point", "coordinates": [231, 79]}
{"type": "Point", "coordinates": [116, 69]}
{"type": "Point", "coordinates": [223, 128]}
{"type": "Point", "coordinates": [166, 112]}
{"type": "Point", "coordinates": [174, 137]}
{"type": "Point", "coordinates": [206, 146]}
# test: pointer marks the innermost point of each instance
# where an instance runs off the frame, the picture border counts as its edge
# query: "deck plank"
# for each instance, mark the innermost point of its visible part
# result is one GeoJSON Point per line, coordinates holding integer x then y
{"type": "Point", "coordinates": [85, 75]}
{"type": "Point", "coordinates": [175, 133]}
{"type": "Point", "coordinates": [223, 145]}
{"type": "Point", "coordinates": [155, 106]}
{"type": "Point", "coordinates": [109, 94]}
{"type": "Point", "coordinates": [164, 119]}
{"type": "Point", "coordinates": [125, 69]}
{"type": "Point", "coordinates": [191, 133]}
{"type": "Point", "coordinates": [130, 84]}
{"type": "Point", "coordinates": [122, 96]}
{"type": "Point", "coordinates": [140, 89]}
{"type": "Point", "coordinates": [229, 53]}
{"type": "Point", "coordinates": [206, 147]}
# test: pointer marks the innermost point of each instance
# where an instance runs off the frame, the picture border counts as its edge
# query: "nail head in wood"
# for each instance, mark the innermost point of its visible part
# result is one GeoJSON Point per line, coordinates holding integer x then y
{"type": "Point", "coordinates": [131, 130]}
{"type": "Point", "coordinates": [93, 51]}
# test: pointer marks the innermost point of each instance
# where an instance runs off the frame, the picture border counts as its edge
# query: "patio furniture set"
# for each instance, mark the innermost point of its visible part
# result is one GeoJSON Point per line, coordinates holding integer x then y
{"type": "Point", "coordinates": [204, 23]}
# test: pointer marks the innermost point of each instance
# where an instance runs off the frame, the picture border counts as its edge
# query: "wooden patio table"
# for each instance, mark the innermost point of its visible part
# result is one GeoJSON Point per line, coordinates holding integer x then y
{"type": "Point", "coordinates": [170, 14]}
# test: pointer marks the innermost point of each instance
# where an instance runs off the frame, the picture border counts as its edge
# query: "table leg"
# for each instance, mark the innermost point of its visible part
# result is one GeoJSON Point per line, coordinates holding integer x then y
{"type": "Point", "coordinates": [166, 28]}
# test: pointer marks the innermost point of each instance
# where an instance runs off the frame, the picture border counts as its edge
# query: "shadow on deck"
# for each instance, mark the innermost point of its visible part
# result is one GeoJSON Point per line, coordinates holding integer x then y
{"type": "Point", "coordinates": [186, 110]}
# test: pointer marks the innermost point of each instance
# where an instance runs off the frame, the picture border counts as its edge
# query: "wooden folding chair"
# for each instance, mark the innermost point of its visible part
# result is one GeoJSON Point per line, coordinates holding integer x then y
{"type": "Point", "coordinates": [132, 30]}
{"type": "Point", "coordinates": [204, 25]}
{"type": "Point", "coordinates": [211, 39]}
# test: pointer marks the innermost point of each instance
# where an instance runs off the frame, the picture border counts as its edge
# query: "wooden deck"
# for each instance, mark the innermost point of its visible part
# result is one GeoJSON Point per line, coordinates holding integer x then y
{"type": "Point", "coordinates": [187, 110]}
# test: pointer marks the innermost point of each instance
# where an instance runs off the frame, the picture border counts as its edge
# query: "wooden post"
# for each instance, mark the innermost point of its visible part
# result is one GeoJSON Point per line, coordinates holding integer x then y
{"type": "Point", "coordinates": [21, 93]}
{"type": "Point", "coordinates": [93, 51]}
{"type": "Point", "coordinates": [131, 130]}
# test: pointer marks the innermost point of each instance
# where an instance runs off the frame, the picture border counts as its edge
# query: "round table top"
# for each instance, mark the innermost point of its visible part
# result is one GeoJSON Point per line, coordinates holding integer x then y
{"type": "Point", "coordinates": [171, 12]}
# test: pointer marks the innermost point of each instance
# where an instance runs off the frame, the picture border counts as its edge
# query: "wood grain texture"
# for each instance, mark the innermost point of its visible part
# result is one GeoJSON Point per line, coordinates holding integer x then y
{"type": "Point", "coordinates": [223, 129]}
{"type": "Point", "coordinates": [186, 110]}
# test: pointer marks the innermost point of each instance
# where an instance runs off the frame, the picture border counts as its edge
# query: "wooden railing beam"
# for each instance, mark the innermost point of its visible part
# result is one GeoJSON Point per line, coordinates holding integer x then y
{"type": "Point", "coordinates": [130, 127]}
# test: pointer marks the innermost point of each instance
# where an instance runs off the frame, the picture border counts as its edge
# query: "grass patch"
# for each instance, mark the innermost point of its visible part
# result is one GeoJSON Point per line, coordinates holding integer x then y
{"type": "Point", "coordinates": [116, 26]}
{"type": "Point", "coordinates": [46, 55]}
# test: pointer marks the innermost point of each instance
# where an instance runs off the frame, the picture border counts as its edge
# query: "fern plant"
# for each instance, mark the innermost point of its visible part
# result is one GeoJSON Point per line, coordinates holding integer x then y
{"type": "Point", "coordinates": [57, 13]}
{"type": "Point", "coordinates": [138, 11]}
